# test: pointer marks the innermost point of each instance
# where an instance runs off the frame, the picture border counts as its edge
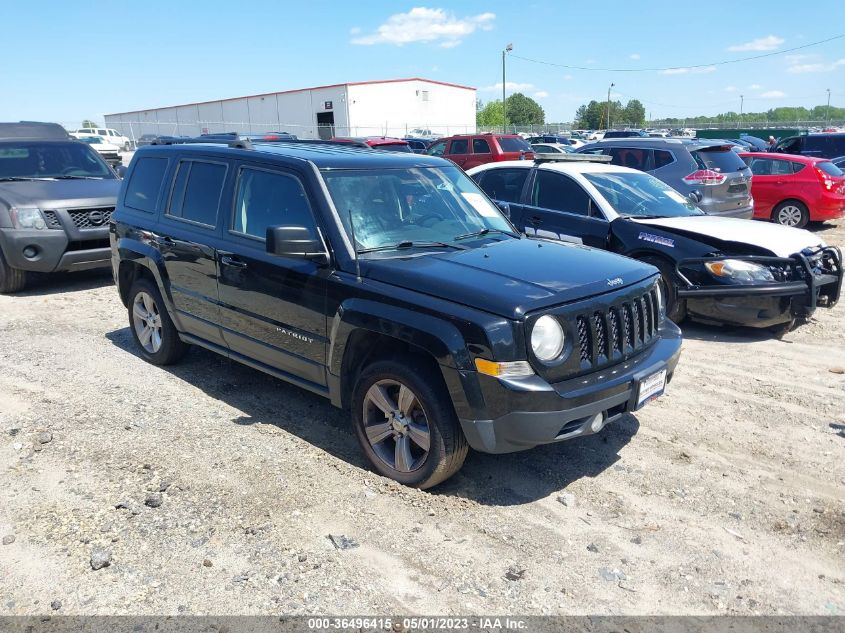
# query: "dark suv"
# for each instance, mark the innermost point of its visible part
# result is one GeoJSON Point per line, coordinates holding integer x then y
{"type": "Point", "coordinates": [818, 145]}
{"type": "Point", "coordinates": [56, 197]}
{"type": "Point", "coordinates": [392, 285]}
{"type": "Point", "coordinates": [709, 172]}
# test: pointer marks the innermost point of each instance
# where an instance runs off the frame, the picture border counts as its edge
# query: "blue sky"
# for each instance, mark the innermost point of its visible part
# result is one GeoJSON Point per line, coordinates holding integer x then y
{"type": "Point", "coordinates": [64, 61]}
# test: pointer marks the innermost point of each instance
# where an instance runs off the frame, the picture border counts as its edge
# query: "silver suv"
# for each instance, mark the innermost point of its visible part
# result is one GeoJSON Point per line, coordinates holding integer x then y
{"type": "Point", "coordinates": [709, 172]}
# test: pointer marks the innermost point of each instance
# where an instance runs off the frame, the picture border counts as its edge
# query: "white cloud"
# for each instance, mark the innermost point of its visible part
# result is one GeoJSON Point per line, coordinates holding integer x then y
{"type": "Point", "coordinates": [634, 55]}
{"type": "Point", "coordinates": [422, 24]}
{"type": "Point", "coordinates": [773, 94]}
{"type": "Point", "coordinates": [815, 67]}
{"type": "Point", "coordinates": [511, 86]}
{"type": "Point", "coordinates": [567, 77]}
{"type": "Point", "coordinates": [768, 43]}
{"type": "Point", "coordinates": [355, 30]}
{"type": "Point", "coordinates": [684, 71]}
{"type": "Point", "coordinates": [541, 94]}
{"type": "Point", "coordinates": [754, 87]}
{"type": "Point", "coordinates": [730, 89]}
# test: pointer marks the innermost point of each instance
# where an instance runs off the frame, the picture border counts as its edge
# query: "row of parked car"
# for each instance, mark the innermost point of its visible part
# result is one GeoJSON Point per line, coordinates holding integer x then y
{"type": "Point", "coordinates": [519, 303]}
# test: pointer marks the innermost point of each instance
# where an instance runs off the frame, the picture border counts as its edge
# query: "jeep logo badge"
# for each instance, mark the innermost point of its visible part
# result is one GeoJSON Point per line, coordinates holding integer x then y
{"type": "Point", "coordinates": [96, 217]}
{"type": "Point", "coordinates": [616, 281]}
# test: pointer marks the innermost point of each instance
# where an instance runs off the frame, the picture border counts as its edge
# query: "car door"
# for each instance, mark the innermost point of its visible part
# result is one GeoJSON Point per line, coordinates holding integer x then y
{"type": "Point", "coordinates": [558, 207]}
{"type": "Point", "coordinates": [481, 153]}
{"type": "Point", "coordinates": [505, 185]}
{"type": "Point", "coordinates": [189, 229]}
{"type": "Point", "coordinates": [767, 184]}
{"type": "Point", "coordinates": [458, 151]}
{"type": "Point", "coordinates": [273, 308]}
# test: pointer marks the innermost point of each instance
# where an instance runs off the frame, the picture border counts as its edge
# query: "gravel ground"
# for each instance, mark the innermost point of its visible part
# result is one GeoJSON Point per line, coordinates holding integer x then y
{"type": "Point", "coordinates": [210, 488]}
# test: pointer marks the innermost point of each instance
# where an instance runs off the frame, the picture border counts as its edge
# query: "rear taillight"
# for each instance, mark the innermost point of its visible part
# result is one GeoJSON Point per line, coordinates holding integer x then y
{"type": "Point", "coordinates": [825, 179]}
{"type": "Point", "coordinates": [705, 177]}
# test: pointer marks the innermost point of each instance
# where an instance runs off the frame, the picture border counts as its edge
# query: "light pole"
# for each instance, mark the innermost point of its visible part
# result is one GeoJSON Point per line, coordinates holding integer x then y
{"type": "Point", "coordinates": [608, 105]}
{"type": "Point", "coordinates": [828, 107]}
{"type": "Point", "coordinates": [508, 49]}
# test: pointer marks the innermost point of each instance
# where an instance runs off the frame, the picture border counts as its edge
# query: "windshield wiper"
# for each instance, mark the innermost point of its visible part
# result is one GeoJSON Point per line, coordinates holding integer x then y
{"type": "Point", "coordinates": [410, 244]}
{"type": "Point", "coordinates": [481, 233]}
{"type": "Point", "coordinates": [20, 178]}
{"type": "Point", "coordinates": [78, 177]}
{"type": "Point", "coordinates": [637, 216]}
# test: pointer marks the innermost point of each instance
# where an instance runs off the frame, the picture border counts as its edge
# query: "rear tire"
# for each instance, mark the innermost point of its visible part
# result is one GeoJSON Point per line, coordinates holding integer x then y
{"type": "Point", "coordinates": [791, 213]}
{"type": "Point", "coordinates": [11, 279]}
{"type": "Point", "coordinates": [126, 146]}
{"type": "Point", "coordinates": [154, 333]}
{"type": "Point", "coordinates": [676, 309]}
{"type": "Point", "coordinates": [419, 441]}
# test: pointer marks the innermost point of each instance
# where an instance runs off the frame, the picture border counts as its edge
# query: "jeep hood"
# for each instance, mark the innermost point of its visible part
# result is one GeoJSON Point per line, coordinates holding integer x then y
{"type": "Point", "coordinates": [60, 194]}
{"type": "Point", "coordinates": [781, 241]}
{"type": "Point", "coordinates": [512, 277]}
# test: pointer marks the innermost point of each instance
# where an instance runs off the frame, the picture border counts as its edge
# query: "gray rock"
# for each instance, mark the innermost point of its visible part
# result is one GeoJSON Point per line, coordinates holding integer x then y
{"type": "Point", "coordinates": [164, 486]}
{"type": "Point", "coordinates": [56, 605]}
{"type": "Point", "coordinates": [515, 572]}
{"type": "Point", "coordinates": [9, 539]}
{"type": "Point", "coordinates": [592, 547]}
{"type": "Point", "coordinates": [612, 575]}
{"type": "Point", "coordinates": [302, 558]}
{"type": "Point", "coordinates": [45, 437]}
{"type": "Point", "coordinates": [567, 499]}
{"type": "Point", "coordinates": [100, 557]}
{"type": "Point", "coordinates": [154, 500]}
{"type": "Point", "coordinates": [14, 432]}
{"type": "Point", "coordinates": [207, 563]}
{"type": "Point", "coordinates": [342, 542]}
{"type": "Point", "coordinates": [637, 540]}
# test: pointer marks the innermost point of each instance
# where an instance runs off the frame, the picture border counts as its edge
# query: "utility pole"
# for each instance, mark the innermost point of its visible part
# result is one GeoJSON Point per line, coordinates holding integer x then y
{"type": "Point", "coordinates": [741, 104]}
{"type": "Point", "coordinates": [828, 107]}
{"type": "Point", "coordinates": [608, 105]}
{"type": "Point", "coordinates": [508, 49]}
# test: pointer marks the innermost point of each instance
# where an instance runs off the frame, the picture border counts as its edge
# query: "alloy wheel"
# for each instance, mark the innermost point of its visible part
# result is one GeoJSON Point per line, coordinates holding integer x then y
{"type": "Point", "coordinates": [396, 425]}
{"type": "Point", "coordinates": [789, 215]}
{"type": "Point", "coordinates": [147, 322]}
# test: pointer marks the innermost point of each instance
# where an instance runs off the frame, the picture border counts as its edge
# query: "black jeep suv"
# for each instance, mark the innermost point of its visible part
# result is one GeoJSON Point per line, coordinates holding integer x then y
{"type": "Point", "coordinates": [392, 285]}
{"type": "Point", "coordinates": [56, 197]}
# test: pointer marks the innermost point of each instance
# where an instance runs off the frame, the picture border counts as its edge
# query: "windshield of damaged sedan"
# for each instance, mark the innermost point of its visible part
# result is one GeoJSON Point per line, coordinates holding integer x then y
{"type": "Point", "coordinates": [417, 205]}
{"type": "Point", "coordinates": [47, 160]}
{"type": "Point", "coordinates": [638, 194]}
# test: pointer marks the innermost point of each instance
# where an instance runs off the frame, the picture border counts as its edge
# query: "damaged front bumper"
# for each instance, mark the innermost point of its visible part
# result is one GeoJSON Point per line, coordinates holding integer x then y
{"type": "Point", "coordinates": [804, 281]}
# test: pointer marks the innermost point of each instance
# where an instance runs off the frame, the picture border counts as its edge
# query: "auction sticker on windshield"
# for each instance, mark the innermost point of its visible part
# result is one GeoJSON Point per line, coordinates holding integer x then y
{"type": "Point", "coordinates": [479, 204]}
{"type": "Point", "coordinates": [651, 387]}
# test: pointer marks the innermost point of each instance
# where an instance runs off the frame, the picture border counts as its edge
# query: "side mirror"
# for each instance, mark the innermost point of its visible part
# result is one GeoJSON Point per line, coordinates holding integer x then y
{"type": "Point", "coordinates": [295, 241]}
{"type": "Point", "coordinates": [695, 197]}
{"type": "Point", "coordinates": [505, 208]}
{"type": "Point", "coordinates": [121, 171]}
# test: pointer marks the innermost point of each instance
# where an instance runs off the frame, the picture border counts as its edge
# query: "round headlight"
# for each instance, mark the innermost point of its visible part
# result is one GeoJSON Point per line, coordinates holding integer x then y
{"type": "Point", "coordinates": [547, 338]}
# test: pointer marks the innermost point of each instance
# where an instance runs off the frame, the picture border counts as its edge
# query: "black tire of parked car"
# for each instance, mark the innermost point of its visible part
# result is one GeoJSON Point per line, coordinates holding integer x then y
{"type": "Point", "coordinates": [447, 445]}
{"type": "Point", "coordinates": [172, 348]}
{"type": "Point", "coordinates": [11, 279]}
{"type": "Point", "coordinates": [126, 146]}
{"type": "Point", "coordinates": [676, 309]}
{"type": "Point", "coordinates": [782, 218]}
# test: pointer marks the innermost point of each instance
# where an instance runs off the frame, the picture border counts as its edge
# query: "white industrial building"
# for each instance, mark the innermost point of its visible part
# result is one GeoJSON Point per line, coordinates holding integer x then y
{"type": "Point", "coordinates": [392, 107]}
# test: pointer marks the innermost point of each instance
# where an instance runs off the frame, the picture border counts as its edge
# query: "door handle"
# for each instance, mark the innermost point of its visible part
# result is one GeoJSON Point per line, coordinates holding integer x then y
{"type": "Point", "coordinates": [535, 219]}
{"type": "Point", "coordinates": [227, 260]}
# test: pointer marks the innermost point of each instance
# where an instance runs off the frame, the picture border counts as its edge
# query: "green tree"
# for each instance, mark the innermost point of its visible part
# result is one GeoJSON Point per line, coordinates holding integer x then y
{"type": "Point", "coordinates": [524, 110]}
{"type": "Point", "coordinates": [489, 115]}
{"type": "Point", "coordinates": [634, 113]}
{"type": "Point", "coordinates": [89, 123]}
{"type": "Point", "coordinates": [590, 116]}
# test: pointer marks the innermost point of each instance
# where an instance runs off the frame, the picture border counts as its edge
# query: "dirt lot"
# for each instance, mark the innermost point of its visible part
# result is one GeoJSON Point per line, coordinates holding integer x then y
{"type": "Point", "coordinates": [725, 496]}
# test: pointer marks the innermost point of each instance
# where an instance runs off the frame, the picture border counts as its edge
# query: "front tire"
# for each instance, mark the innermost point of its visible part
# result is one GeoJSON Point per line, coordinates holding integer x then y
{"type": "Point", "coordinates": [676, 308]}
{"type": "Point", "coordinates": [791, 213]}
{"type": "Point", "coordinates": [153, 331]}
{"type": "Point", "coordinates": [11, 279]}
{"type": "Point", "coordinates": [405, 423]}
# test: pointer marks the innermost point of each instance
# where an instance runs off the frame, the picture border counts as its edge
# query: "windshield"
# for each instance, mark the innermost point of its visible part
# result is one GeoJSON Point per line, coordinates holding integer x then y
{"type": "Point", "coordinates": [419, 205]}
{"type": "Point", "coordinates": [51, 160]}
{"type": "Point", "coordinates": [718, 158]}
{"type": "Point", "coordinates": [394, 147]}
{"type": "Point", "coordinates": [641, 195]}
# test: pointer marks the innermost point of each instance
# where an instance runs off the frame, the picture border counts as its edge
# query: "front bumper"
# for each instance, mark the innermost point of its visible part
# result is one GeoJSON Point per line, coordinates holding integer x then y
{"type": "Point", "coordinates": [53, 251]}
{"type": "Point", "coordinates": [766, 305]}
{"type": "Point", "coordinates": [526, 412]}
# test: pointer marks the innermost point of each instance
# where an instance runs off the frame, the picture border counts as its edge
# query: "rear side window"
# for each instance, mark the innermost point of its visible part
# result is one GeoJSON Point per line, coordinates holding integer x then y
{"type": "Point", "coordinates": [504, 184]}
{"type": "Point", "coordinates": [459, 146]}
{"type": "Point", "coordinates": [145, 184]}
{"type": "Point", "coordinates": [480, 146]}
{"type": "Point", "coordinates": [559, 192]}
{"type": "Point", "coordinates": [513, 144]}
{"type": "Point", "coordinates": [102, 132]}
{"type": "Point", "coordinates": [663, 158]}
{"type": "Point", "coordinates": [721, 160]}
{"type": "Point", "coordinates": [633, 157]}
{"type": "Point", "coordinates": [196, 191]}
{"type": "Point", "coordinates": [796, 167]}
{"type": "Point", "coordinates": [266, 199]}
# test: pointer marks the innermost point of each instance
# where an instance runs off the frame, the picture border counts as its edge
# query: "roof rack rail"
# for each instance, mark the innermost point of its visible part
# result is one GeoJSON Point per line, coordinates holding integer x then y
{"type": "Point", "coordinates": [572, 158]}
{"type": "Point", "coordinates": [178, 140]}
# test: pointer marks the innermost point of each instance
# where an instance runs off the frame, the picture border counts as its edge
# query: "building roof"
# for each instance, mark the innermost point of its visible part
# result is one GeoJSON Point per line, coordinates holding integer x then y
{"type": "Point", "coordinates": [282, 92]}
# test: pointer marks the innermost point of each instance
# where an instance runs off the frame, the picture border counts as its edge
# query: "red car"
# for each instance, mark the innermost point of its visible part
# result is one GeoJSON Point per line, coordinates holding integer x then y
{"type": "Point", "coordinates": [792, 189]}
{"type": "Point", "coordinates": [472, 150]}
{"type": "Point", "coordinates": [376, 142]}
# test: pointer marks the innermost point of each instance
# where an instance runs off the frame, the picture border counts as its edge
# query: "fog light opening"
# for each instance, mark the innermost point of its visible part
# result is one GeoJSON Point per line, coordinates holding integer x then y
{"type": "Point", "coordinates": [597, 423]}
{"type": "Point", "coordinates": [30, 252]}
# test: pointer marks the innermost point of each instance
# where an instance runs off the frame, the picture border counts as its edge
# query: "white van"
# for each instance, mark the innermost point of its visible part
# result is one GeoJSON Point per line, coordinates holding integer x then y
{"type": "Point", "coordinates": [112, 137]}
